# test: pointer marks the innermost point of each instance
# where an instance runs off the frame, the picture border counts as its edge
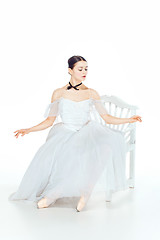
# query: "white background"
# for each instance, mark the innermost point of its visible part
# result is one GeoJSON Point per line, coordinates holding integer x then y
{"type": "Point", "coordinates": [120, 41]}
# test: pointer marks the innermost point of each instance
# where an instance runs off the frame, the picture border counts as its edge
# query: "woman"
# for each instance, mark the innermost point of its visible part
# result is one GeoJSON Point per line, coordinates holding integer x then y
{"type": "Point", "coordinates": [77, 149]}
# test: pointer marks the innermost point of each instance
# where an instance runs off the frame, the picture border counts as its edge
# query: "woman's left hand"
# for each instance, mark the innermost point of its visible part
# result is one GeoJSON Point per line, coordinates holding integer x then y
{"type": "Point", "coordinates": [135, 118]}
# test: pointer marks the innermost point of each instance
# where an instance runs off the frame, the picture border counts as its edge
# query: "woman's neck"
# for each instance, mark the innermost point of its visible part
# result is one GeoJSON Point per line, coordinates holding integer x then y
{"type": "Point", "coordinates": [74, 82]}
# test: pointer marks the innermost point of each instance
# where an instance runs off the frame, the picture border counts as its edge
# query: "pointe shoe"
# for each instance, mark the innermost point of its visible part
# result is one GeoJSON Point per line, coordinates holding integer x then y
{"type": "Point", "coordinates": [42, 203]}
{"type": "Point", "coordinates": [81, 204]}
{"type": "Point", "coordinates": [77, 210]}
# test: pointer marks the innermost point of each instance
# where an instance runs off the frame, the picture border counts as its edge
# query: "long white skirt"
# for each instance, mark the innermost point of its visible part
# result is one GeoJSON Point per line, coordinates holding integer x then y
{"type": "Point", "coordinates": [72, 164]}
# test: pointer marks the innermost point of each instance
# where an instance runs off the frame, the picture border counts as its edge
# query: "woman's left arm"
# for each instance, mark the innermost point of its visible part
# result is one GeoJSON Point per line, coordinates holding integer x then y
{"type": "Point", "coordinates": [109, 119]}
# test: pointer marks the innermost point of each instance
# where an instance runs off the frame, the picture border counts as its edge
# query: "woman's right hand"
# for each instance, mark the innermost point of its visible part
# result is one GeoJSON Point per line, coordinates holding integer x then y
{"type": "Point", "coordinates": [22, 131]}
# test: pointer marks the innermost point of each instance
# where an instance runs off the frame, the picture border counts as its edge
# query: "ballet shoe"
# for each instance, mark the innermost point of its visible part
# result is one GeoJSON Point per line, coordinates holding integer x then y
{"type": "Point", "coordinates": [42, 203]}
{"type": "Point", "coordinates": [81, 204]}
{"type": "Point", "coordinates": [77, 210]}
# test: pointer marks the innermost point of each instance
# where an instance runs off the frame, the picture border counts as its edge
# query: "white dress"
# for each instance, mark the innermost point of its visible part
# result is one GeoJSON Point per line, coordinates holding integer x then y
{"type": "Point", "coordinates": [78, 151]}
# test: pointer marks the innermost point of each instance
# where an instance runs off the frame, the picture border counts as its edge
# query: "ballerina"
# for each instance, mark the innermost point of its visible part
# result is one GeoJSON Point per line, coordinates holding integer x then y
{"type": "Point", "coordinates": [77, 149]}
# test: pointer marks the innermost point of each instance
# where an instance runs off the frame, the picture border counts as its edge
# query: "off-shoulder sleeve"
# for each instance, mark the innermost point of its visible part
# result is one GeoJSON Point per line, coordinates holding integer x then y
{"type": "Point", "coordinates": [52, 109]}
{"type": "Point", "coordinates": [99, 106]}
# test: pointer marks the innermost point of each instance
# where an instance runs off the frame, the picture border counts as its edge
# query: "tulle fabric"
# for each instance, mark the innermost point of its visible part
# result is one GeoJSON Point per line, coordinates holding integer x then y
{"type": "Point", "coordinates": [99, 106]}
{"type": "Point", "coordinates": [53, 108]}
{"type": "Point", "coordinates": [80, 156]}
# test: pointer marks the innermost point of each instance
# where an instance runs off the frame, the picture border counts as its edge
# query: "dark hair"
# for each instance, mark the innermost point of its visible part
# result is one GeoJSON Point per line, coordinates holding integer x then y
{"type": "Point", "coordinates": [74, 59]}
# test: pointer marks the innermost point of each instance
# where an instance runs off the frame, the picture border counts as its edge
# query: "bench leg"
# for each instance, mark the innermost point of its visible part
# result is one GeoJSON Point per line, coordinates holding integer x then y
{"type": "Point", "coordinates": [132, 169]}
{"type": "Point", "coordinates": [108, 196]}
{"type": "Point", "coordinates": [131, 182]}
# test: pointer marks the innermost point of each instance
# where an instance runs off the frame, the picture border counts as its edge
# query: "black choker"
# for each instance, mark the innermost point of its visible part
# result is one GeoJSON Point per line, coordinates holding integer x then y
{"type": "Point", "coordinates": [73, 86]}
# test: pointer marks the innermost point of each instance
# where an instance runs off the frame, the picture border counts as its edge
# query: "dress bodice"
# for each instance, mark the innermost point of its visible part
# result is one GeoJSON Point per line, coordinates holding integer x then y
{"type": "Point", "coordinates": [75, 114]}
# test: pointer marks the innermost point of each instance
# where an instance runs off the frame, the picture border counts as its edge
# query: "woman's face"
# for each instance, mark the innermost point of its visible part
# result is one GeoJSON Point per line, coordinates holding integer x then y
{"type": "Point", "coordinates": [79, 71]}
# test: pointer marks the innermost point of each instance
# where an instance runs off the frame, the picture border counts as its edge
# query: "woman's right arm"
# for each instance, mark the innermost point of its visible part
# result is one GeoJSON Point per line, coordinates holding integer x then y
{"type": "Point", "coordinates": [43, 125]}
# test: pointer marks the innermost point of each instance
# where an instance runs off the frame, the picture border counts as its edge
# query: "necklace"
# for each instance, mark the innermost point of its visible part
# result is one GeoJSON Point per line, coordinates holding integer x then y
{"type": "Point", "coordinates": [75, 87]}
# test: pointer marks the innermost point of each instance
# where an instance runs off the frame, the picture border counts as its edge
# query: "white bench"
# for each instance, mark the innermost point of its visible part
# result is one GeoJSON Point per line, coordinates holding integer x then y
{"type": "Point", "coordinates": [118, 108]}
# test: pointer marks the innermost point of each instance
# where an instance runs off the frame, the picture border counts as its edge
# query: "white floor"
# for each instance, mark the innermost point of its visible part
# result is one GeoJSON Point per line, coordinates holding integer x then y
{"type": "Point", "coordinates": [132, 214]}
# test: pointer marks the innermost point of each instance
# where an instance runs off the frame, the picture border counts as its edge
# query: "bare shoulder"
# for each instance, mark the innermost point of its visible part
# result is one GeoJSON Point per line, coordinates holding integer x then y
{"type": "Point", "coordinates": [56, 94]}
{"type": "Point", "coordinates": [94, 94]}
